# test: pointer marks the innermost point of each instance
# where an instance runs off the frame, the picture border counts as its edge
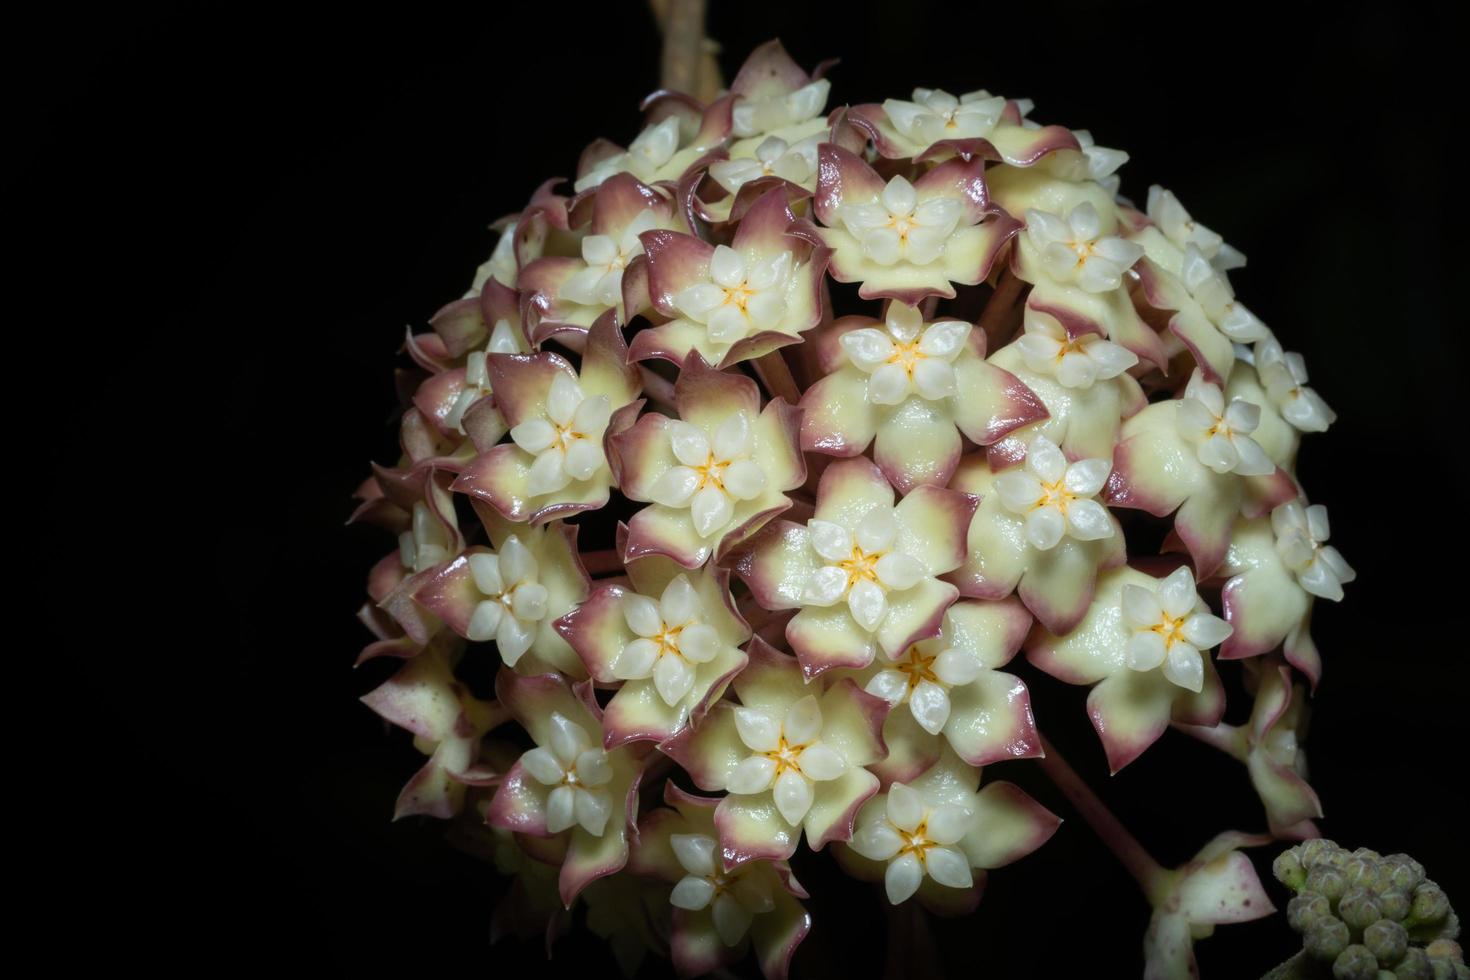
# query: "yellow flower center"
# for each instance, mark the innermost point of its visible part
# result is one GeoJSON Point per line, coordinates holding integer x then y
{"type": "Point", "coordinates": [916, 842]}
{"type": "Point", "coordinates": [1171, 629]}
{"type": "Point", "coordinates": [862, 565]}
{"type": "Point", "coordinates": [712, 473]}
{"type": "Point", "coordinates": [906, 354]}
{"type": "Point", "coordinates": [918, 667]}
{"type": "Point", "coordinates": [786, 756]}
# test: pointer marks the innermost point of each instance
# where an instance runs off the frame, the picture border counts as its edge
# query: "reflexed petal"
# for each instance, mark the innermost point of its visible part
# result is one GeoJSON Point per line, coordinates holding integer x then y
{"type": "Point", "coordinates": [695, 853]}
{"type": "Point", "coordinates": [793, 796]}
{"type": "Point", "coordinates": [929, 703]}
{"type": "Point", "coordinates": [825, 586]}
{"type": "Point", "coordinates": [934, 379]}
{"type": "Point", "coordinates": [803, 721]}
{"type": "Point", "coordinates": [692, 893]}
{"type": "Point", "coordinates": [758, 730]}
{"type": "Point", "coordinates": [679, 603]}
{"type": "Point", "coordinates": [878, 841]}
{"type": "Point", "coordinates": [485, 620]}
{"type": "Point", "coordinates": [889, 385]}
{"type": "Point", "coordinates": [543, 766]}
{"type": "Point", "coordinates": [957, 667]}
{"type": "Point", "coordinates": [675, 487]}
{"type": "Point", "coordinates": [673, 678]}
{"type": "Point", "coordinates": [711, 511]}
{"type": "Point", "coordinates": [868, 348]}
{"type": "Point", "coordinates": [830, 540]}
{"type": "Point", "coordinates": [561, 809]}
{"type": "Point", "coordinates": [699, 643]}
{"type": "Point", "coordinates": [563, 398]}
{"type": "Point", "coordinates": [1145, 650]}
{"type": "Point", "coordinates": [744, 479]}
{"type": "Point", "coordinates": [1205, 631]}
{"type": "Point", "coordinates": [533, 435]}
{"type": "Point", "coordinates": [568, 739]}
{"type": "Point", "coordinates": [903, 878]}
{"type": "Point", "coordinates": [821, 762]}
{"type": "Point", "coordinates": [948, 867]}
{"type": "Point", "coordinates": [905, 807]}
{"type": "Point", "coordinates": [642, 614]}
{"type": "Point", "coordinates": [1045, 527]}
{"type": "Point", "coordinates": [898, 571]}
{"type": "Point", "coordinates": [732, 920]}
{"type": "Point", "coordinates": [868, 604]}
{"type": "Point", "coordinates": [592, 810]}
{"type": "Point", "coordinates": [1185, 667]}
{"type": "Point", "coordinates": [1087, 520]}
{"type": "Point", "coordinates": [1141, 606]}
{"type": "Point", "coordinates": [947, 823]}
{"type": "Point", "coordinates": [690, 445]}
{"type": "Point", "coordinates": [752, 775]}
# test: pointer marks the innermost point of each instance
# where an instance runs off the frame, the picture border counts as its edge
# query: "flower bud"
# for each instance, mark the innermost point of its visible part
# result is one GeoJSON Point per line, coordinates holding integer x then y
{"type": "Point", "coordinates": [1313, 850]}
{"type": "Point", "coordinates": [1288, 870]}
{"type": "Point", "coordinates": [1355, 963]}
{"type": "Point", "coordinates": [1326, 940]}
{"type": "Point", "coordinates": [1306, 909]}
{"type": "Point", "coordinates": [1387, 940]}
{"type": "Point", "coordinates": [1430, 905]}
{"type": "Point", "coordinates": [1367, 854]}
{"type": "Point", "coordinates": [1326, 881]}
{"type": "Point", "coordinates": [1394, 904]}
{"type": "Point", "coordinates": [1414, 966]}
{"type": "Point", "coordinates": [1359, 872]}
{"type": "Point", "coordinates": [1358, 909]}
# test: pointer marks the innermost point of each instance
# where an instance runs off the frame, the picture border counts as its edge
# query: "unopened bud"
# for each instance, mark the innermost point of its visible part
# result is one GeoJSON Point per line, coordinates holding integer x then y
{"type": "Point", "coordinates": [1355, 963]}
{"type": "Point", "coordinates": [1358, 909]}
{"type": "Point", "coordinates": [1414, 966]}
{"type": "Point", "coordinates": [1306, 909]}
{"type": "Point", "coordinates": [1430, 904]}
{"type": "Point", "coordinates": [1326, 881]}
{"type": "Point", "coordinates": [1387, 940]}
{"type": "Point", "coordinates": [1288, 870]}
{"type": "Point", "coordinates": [1326, 940]}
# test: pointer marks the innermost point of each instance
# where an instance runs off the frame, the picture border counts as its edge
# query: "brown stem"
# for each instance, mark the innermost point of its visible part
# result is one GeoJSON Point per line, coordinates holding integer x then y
{"type": "Point", "coordinates": [657, 387]}
{"type": "Point", "coordinates": [683, 26]}
{"type": "Point", "coordinates": [776, 375]}
{"type": "Point", "coordinates": [604, 562]}
{"type": "Point", "coordinates": [998, 319]}
{"type": "Point", "coordinates": [1125, 847]}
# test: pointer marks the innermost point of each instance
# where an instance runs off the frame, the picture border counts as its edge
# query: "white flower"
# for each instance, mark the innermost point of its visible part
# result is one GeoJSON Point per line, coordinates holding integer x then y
{"type": "Point", "coordinates": [924, 681]}
{"type": "Point", "coordinates": [500, 266]}
{"type": "Point", "coordinates": [713, 474]}
{"type": "Point", "coordinates": [672, 639]}
{"type": "Point", "coordinates": [601, 283]}
{"type": "Point", "coordinates": [936, 115]}
{"type": "Point", "coordinates": [1055, 497]}
{"type": "Point", "coordinates": [476, 377]}
{"type": "Point", "coordinates": [897, 228]}
{"type": "Point", "coordinates": [909, 357]}
{"type": "Point", "coordinates": [862, 566]}
{"type": "Point", "coordinates": [576, 769]}
{"type": "Point", "coordinates": [1222, 434]}
{"type": "Point", "coordinates": [567, 439]}
{"type": "Point", "coordinates": [787, 756]}
{"type": "Point", "coordinates": [742, 296]}
{"type": "Point", "coordinates": [1075, 250]}
{"type": "Point", "coordinates": [1209, 287]}
{"type": "Point", "coordinates": [916, 839]}
{"type": "Point", "coordinates": [649, 151]}
{"type": "Point", "coordinates": [1284, 376]}
{"type": "Point", "coordinates": [734, 898]}
{"type": "Point", "coordinates": [1300, 535]}
{"type": "Point", "coordinates": [1165, 211]}
{"type": "Point", "coordinates": [1170, 627]}
{"type": "Point", "coordinates": [1076, 362]}
{"type": "Point", "coordinates": [751, 116]}
{"type": "Point", "coordinates": [774, 157]}
{"type": "Point", "coordinates": [426, 542]}
{"type": "Point", "coordinates": [514, 601]}
{"type": "Point", "coordinates": [1102, 161]}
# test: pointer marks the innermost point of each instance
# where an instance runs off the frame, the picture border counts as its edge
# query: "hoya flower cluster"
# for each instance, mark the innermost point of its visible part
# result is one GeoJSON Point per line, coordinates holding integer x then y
{"type": "Point", "coordinates": [877, 393]}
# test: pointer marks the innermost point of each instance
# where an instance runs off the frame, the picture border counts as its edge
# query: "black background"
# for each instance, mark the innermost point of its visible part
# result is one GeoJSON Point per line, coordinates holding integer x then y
{"type": "Point", "coordinates": [240, 214]}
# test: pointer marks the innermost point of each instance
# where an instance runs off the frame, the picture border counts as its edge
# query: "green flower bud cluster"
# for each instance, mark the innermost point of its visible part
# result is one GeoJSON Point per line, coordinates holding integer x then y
{"type": "Point", "coordinates": [1364, 916]}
